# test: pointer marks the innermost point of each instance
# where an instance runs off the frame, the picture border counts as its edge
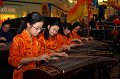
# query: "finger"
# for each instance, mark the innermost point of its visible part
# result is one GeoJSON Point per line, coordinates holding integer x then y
{"type": "Point", "coordinates": [5, 39]}
{"type": "Point", "coordinates": [65, 55]}
{"type": "Point", "coordinates": [46, 60]}
{"type": "Point", "coordinates": [69, 48]}
{"type": "Point", "coordinates": [5, 45]}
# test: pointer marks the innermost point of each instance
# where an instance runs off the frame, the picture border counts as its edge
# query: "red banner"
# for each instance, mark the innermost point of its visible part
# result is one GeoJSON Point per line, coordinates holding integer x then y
{"type": "Point", "coordinates": [76, 11]}
{"type": "Point", "coordinates": [1, 3]}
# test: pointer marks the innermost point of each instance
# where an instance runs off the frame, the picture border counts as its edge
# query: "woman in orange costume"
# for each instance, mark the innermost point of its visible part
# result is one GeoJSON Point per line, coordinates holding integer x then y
{"type": "Point", "coordinates": [64, 39]}
{"type": "Point", "coordinates": [63, 36]}
{"type": "Point", "coordinates": [74, 34]}
{"type": "Point", "coordinates": [48, 39]}
{"type": "Point", "coordinates": [24, 50]}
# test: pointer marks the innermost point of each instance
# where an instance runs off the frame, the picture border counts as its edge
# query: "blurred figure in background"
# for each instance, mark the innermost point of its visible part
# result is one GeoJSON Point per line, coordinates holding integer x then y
{"type": "Point", "coordinates": [116, 21]}
{"type": "Point", "coordinates": [92, 23]}
{"type": "Point", "coordinates": [5, 39]}
{"type": "Point", "coordinates": [5, 34]}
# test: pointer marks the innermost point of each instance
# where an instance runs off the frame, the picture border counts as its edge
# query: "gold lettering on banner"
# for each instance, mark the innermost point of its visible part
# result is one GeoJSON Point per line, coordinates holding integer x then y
{"type": "Point", "coordinates": [45, 9]}
{"type": "Point", "coordinates": [7, 9]}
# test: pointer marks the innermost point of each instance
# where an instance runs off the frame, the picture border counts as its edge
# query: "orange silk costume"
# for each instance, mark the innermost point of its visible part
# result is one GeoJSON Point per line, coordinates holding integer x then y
{"type": "Point", "coordinates": [74, 35]}
{"type": "Point", "coordinates": [50, 44]}
{"type": "Point", "coordinates": [23, 47]}
{"type": "Point", "coordinates": [63, 40]}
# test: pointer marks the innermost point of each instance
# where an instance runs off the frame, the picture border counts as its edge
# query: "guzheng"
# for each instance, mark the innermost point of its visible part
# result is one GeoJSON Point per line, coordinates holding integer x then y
{"type": "Point", "coordinates": [65, 67]}
{"type": "Point", "coordinates": [92, 48]}
{"type": "Point", "coordinates": [93, 45]}
{"type": "Point", "coordinates": [91, 52]}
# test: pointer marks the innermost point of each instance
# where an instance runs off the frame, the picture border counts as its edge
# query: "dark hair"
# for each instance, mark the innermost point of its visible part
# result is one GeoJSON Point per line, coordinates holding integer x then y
{"type": "Point", "coordinates": [22, 26]}
{"type": "Point", "coordinates": [76, 24]}
{"type": "Point", "coordinates": [65, 26]}
{"type": "Point", "coordinates": [51, 23]}
{"type": "Point", "coordinates": [31, 18]}
{"type": "Point", "coordinates": [5, 23]}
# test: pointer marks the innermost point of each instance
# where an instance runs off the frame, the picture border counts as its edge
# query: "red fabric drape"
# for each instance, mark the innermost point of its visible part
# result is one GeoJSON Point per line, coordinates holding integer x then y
{"type": "Point", "coordinates": [76, 11]}
{"type": "Point", "coordinates": [1, 3]}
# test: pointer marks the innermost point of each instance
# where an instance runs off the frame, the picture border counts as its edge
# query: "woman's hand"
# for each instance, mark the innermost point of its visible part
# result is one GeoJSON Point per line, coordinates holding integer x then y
{"type": "Point", "coordinates": [77, 40]}
{"type": "Point", "coordinates": [84, 39]}
{"type": "Point", "coordinates": [44, 57]}
{"type": "Point", "coordinates": [65, 47]}
{"type": "Point", "coordinates": [74, 45]}
{"type": "Point", "coordinates": [2, 44]}
{"type": "Point", "coordinates": [3, 38]}
{"type": "Point", "coordinates": [90, 38]}
{"type": "Point", "coordinates": [63, 54]}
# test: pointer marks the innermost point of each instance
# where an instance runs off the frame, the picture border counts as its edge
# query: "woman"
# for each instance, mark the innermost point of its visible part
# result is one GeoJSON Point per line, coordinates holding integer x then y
{"type": "Point", "coordinates": [75, 33]}
{"type": "Point", "coordinates": [48, 39]}
{"type": "Point", "coordinates": [64, 39]}
{"type": "Point", "coordinates": [24, 50]}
